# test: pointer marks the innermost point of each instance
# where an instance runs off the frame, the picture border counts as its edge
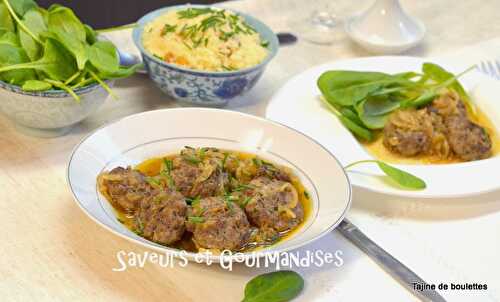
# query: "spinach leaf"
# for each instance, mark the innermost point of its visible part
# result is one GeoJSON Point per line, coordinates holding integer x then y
{"type": "Point", "coordinates": [439, 74]}
{"type": "Point", "coordinates": [34, 21]}
{"type": "Point", "coordinates": [103, 56]}
{"type": "Point", "coordinates": [63, 86]}
{"type": "Point", "coordinates": [403, 178]}
{"type": "Point", "coordinates": [350, 122]}
{"type": "Point", "coordinates": [277, 286]}
{"type": "Point", "coordinates": [9, 55]}
{"type": "Point", "coordinates": [42, 49]}
{"type": "Point", "coordinates": [90, 34]}
{"type": "Point", "coordinates": [73, 45]}
{"type": "Point", "coordinates": [36, 85]}
{"type": "Point", "coordinates": [9, 38]}
{"type": "Point", "coordinates": [349, 87]}
{"type": "Point", "coordinates": [400, 177]}
{"type": "Point", "coordinates": [69, 31]}
{"type": "Point", "coordinates": [350, 114]}
{"type": "Point", "coordinates": [363, 100]}
{"type": "Point", "coordinates": [22, 6]}
{"type": "Point", "coordinates": [121, 72]}
{"type": "Point", "coordinates": [6, 21]}
{"type": "Point", "coordinates": [429, 95]}
{"type": "Point", "coordinates": [373, 121]}
{"type": "Point", "coordinates": [62, 19]}
{"type": "Point", "coordinates": [379, 105]}
{"type": "Point", "coordinates": [57, 63]}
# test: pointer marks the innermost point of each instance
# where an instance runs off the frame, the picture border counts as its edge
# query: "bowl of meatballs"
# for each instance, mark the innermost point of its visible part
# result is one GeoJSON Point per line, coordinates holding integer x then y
{"type": "Point", "coordinates": [243, 184]}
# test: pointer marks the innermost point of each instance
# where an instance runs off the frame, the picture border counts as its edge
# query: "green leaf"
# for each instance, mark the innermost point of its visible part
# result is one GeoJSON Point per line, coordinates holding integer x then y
{"type": "Point", "coordinates": [403, 178]}
{"type": "Point", "coordinates": [63, 19]}
{"type": "Point", "coordinates": [6, 21]}
{"type": "Point", "coordinates": [440, 75]}
{"type": "Point", "coordinates": [121, 72]}
{"type": "Point", "coordinates": [379, 105]}
{"type": "Point", "coordinates": [9, 55]}
{"type": "Point", "coordinates": [36, 85]}
{"type": "Point", "coordinates": [349, 87]}
{"type": "Point", "coordinates": [22, 6]}
{"type": "Point", "coordinates": [196, 219]}
{"type": "Point", "coordinates": [57, 63]}
{"type": "Point", "coordinates": [400, 177]}
{"type": "Point", "coordinates": [34, 21]}
{"type": "Point", "coordinates": [9, 38]}
{"type": "Point", "coordinates": [63, 86]}
{"type": "Point", "coordinates": [73, 45]}
{"type": "Point", "coordinates": [351, 121]}
{"type": "Point", "coordinates": [277, 286]}
{"type": "Point", "coordinates": [90, 34]}
{"type": "Point", "coordinates": [374, 121]}
{"type": "Point", "coordinates": [104, 57]}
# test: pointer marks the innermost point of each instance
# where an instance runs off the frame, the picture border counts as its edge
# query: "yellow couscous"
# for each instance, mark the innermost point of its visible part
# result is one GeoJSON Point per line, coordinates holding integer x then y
{"type": "Point", "coordinates": [205, 39]}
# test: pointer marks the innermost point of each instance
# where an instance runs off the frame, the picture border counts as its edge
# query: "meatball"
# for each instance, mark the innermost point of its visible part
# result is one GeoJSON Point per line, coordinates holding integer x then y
{"type": "Point", "coordinates": [409, 132]}
{"type": "Point", "coordinates": [274, 205]}
{"type": "Point", "coordinates": [272, 172]}
{"type": "Point", "coordinates": [161, 218]}
{"type": "Point", "coordinates": [468, 140]}
{"type": "Point", "coordinates": [218, 224]}
{"type": "Point", "coordinates": [196, 175]}
{"type": "Point", "coordinates": [125, 187]}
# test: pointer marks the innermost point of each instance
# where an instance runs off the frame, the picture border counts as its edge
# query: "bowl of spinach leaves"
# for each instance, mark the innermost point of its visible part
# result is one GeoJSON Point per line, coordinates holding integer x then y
{"type": "Point", "coordinates": [54, 70]}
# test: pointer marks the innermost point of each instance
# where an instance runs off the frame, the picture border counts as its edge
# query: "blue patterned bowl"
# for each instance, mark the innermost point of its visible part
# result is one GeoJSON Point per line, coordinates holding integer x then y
{"type": "Point", "coordinates": [204, 88]}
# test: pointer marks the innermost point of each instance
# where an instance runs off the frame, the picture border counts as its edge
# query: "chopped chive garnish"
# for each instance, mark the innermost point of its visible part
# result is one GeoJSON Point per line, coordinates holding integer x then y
{"type": "Point", "coordinates": [153, 181]}
{"type": "Point", "coordinates": [167, 28]}
{"type": "Point", "coordinates": [257, 161]}
{"type": "Point", "coordinates": [193, 201]}
{"type": "Point", "coordinates": [214, 19]}
{"type": "Point", "coordinates": [169, 165]}
{"type": "Point", "coordinates": [246, 201]}
{"type": "Point", "coordinates": [196, 219]}
{"type": "Point", "coordinates": [193, 12]}
{"type": "Point", "coordinates": [243, 187]}
{"type": "Point", "coordinates": [139, 230]}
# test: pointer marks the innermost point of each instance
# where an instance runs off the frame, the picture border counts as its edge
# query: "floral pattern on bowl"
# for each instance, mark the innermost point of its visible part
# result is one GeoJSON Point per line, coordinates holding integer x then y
{"type": "Point", "coordinates": [200, 88]}
{"type": "Point", "coordinates": [206, 88]}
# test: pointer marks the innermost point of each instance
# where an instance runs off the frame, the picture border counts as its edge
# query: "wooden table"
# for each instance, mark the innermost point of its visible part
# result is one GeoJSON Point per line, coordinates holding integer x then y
{"type": "Point", "coordinates": [51, 251]}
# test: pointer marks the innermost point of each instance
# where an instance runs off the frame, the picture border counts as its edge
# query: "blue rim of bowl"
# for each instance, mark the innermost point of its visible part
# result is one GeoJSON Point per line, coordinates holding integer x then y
{"type": "Point", "coordinates": [52, 92]}
{"type": "Point", "coordinates": [139, 29]}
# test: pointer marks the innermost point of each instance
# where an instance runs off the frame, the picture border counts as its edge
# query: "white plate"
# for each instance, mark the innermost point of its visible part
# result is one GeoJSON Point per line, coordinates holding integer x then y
{"type": "Point", "coordinates": [297, 105]}
{"type": "Point", "coordinates": [141, 136]}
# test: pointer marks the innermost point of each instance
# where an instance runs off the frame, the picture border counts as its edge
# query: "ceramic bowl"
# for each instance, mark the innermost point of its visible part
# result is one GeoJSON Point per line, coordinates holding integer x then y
{"type": "Point", "coordinates": [385, 28]}
{"type": "Point", "coordinates": [49, 113]}
{"type": "Point", "coordinates": [204, 88]}
{"type": "Point", "coordinates": [125, 142]}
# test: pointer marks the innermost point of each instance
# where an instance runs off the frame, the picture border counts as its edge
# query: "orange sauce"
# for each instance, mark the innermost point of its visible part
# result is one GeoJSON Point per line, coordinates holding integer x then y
{"type": "Point", "coordinates": [153, 166]}
{"type": "Point", "coordinates": [379, 151]}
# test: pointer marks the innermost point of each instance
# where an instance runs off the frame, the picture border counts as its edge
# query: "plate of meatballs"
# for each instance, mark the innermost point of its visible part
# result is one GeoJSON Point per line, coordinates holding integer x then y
{"type": "Point", "coordinates": [450, 142]}
{"type": "Point", "coordinates": [228, 182]}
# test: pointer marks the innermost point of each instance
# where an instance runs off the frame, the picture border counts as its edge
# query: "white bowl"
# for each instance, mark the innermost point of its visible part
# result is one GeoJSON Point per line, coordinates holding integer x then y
{"type": "Point", "coordinates": [49, 113]}
{"type": "Point", "coordinates": [385, 28]}
{"type": "Point", "coordinates": [135, 138]}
